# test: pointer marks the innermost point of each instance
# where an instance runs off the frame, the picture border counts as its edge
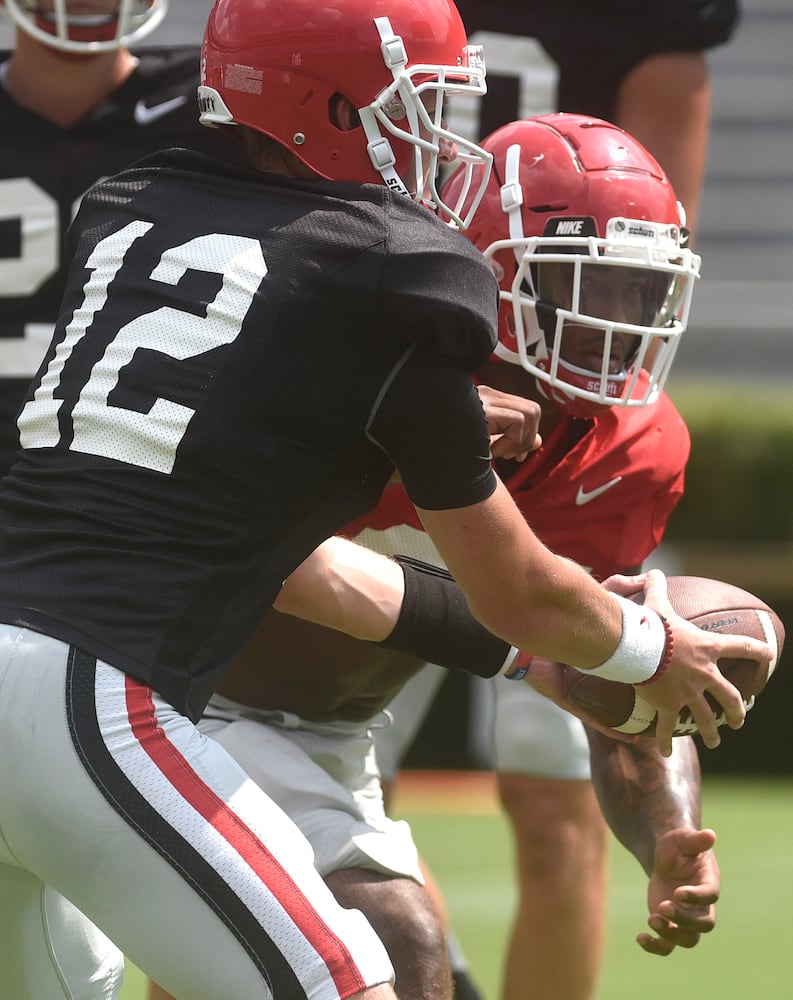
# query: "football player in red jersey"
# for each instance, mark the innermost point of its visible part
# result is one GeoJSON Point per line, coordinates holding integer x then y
{"type": "Point", "coordinates": [242, 358]}
{"type": "Point", "coordinates": [584, 232]}
{"type": "Point", "coordinates": [600, 490]}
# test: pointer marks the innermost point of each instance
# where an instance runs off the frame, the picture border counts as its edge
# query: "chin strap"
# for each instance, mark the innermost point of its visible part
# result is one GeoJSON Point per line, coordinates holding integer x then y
{"type": "Point", "coordinates": [512, 193]}
{"type": "Point", "coordinates": [378, 146]}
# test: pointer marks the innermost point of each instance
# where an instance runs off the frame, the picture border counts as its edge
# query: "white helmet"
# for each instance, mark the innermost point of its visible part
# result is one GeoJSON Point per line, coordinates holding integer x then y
{"type": "Point", "coordinates": [91, 30]}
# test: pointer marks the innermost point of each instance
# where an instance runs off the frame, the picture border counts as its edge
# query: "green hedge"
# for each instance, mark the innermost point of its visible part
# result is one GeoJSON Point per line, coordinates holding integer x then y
{"type": "Point", "coordinates": [739, 482]}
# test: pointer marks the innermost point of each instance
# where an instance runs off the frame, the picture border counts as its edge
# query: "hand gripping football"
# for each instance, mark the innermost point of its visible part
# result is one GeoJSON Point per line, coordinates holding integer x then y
{"type": "Point", "coordinates": [711, 605]}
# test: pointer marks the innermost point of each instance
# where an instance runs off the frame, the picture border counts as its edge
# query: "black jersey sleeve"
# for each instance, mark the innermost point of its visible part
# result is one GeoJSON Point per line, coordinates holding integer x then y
{"type": "Point", "coordinates": [438, 295]}
{"type": "Point", "coordinates": [429, 419]}
{"type": "Point", "coordinates": [436, 288]}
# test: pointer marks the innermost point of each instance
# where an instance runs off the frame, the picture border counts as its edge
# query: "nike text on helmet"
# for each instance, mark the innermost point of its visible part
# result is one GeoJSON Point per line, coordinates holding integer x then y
{"type": "Point", "coordinates": [278, 67]}
{"type": "Point", "coordinates": [83, 31]}
{"type": "Point", "coordinates": [584, 233]}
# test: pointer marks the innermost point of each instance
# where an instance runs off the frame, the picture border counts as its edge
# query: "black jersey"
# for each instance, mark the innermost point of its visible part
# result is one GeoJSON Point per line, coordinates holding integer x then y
{"type": "Point", "coordinates": [46, 169]}
{"type": "Point", "coordinates": [594, 46]}
{"type": "Point", "coordinates": [239, 363]}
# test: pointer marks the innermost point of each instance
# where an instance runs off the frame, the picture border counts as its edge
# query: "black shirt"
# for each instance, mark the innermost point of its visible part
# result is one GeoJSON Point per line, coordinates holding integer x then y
{"type": "Point", "coordinates": [594, 45]}
{"type": "Point", "coordinates": [240, 362]}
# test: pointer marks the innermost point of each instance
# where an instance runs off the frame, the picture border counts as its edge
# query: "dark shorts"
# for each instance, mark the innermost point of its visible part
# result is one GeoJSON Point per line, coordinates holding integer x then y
{"type": "Point", "coordinates": [595, 44]}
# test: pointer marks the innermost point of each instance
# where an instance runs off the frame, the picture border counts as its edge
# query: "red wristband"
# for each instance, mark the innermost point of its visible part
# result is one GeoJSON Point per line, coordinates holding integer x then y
{"type": "Point", "coordinates": [519, 667]}
{"type": "Point", "coordinates": [666, 659]}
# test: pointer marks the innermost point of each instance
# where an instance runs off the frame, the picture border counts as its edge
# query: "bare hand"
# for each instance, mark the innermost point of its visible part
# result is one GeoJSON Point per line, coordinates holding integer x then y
{"type": "Point", "coordinates": [684, 888]}
{"type": "Point", "coordinates": [693, 669]}
{"type": "Point", "coordinates": [513, 422]}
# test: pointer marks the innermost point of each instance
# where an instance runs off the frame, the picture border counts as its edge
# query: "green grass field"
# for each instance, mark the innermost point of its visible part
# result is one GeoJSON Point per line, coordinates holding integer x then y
{"type": "Point", "coordinates": [748, 956]}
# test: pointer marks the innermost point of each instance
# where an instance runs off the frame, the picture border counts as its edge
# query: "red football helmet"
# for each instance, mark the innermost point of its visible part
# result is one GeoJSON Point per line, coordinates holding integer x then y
{"type": "Point", "coordinates": [95, 25]}
{"type": "Point", "coordinates": [278, 67]}
{"type": "Point", "coordinates": [585, 235]}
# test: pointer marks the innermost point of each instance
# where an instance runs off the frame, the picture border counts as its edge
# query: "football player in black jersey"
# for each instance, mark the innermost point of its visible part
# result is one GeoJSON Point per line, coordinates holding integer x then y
{"type": "Point", "coordinates": [77, 105]}
{"type": "Point", "coordinates": [642, 66]}
{"type": "Point", "coordinates": [241, 360]}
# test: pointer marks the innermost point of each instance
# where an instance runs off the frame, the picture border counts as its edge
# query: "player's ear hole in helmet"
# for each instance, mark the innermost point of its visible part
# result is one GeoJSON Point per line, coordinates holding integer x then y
{"type": "Point", "coordinates": [86, 28]}
{"type": "Point", "coordinates": [342, 113]}
{"type": "Point", "coordinates": [585, 235]}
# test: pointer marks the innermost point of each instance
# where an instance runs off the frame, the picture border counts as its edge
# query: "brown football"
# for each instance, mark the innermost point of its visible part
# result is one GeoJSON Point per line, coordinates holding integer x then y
{"type": "Point", "coordinates": [711, 605]}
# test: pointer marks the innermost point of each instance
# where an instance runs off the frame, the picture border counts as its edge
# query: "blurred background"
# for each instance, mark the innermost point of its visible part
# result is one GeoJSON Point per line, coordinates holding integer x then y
{"type": "Point", "coordinates": [743, 308]}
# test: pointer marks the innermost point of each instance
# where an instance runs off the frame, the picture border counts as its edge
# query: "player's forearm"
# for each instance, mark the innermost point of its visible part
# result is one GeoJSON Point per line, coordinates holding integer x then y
{"type": "Point", "coordinates": [347, 587]}
{"type": "Point", "coordinates": [519, 589]}
{"type": "Point", "coordinates": [404, 604]}
{"type": "Point", "coordinates": [642, 794]}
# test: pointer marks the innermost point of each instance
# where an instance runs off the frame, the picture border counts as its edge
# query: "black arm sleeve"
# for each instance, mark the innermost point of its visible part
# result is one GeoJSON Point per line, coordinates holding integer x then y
{"type": "Point", "coordinates": [436, 624]}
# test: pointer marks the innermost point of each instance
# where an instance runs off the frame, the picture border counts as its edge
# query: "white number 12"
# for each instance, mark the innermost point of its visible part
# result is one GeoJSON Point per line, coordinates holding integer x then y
{"type": "Point", "coordinates": [148, 440]}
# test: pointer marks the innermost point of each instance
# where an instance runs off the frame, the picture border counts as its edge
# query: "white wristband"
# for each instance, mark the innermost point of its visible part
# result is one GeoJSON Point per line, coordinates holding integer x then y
{"type": "Point", "coordinates": [641, 647]}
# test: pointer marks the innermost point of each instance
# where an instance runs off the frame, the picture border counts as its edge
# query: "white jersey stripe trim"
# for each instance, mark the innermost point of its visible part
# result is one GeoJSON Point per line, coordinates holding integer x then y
{"type": "Point", "coordinates": [155, 766]}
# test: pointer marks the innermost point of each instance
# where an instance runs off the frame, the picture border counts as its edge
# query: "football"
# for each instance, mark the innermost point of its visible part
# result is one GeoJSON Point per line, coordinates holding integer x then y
{"type": "Point", "coordinates": [711, 605]}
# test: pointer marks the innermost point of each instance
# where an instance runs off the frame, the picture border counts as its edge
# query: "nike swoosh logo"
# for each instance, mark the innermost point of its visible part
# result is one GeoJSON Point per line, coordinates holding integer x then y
{"type": "Point", "coordinates": [584, 496]}
{"type": "Point", "coordinates": [145, 115]}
